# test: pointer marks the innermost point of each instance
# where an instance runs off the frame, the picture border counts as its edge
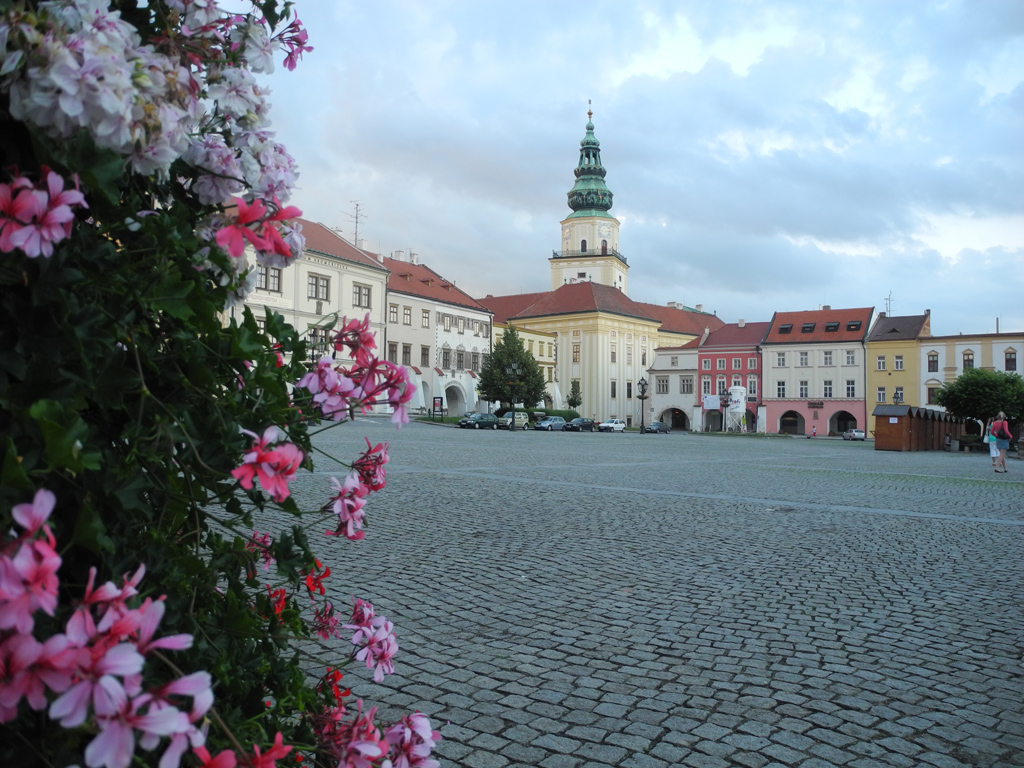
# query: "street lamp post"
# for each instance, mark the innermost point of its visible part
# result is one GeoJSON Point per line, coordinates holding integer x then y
{"type": "Point", "coordinates": [641, 389]}
{"type": "Point", "coordinates": [513, 370]}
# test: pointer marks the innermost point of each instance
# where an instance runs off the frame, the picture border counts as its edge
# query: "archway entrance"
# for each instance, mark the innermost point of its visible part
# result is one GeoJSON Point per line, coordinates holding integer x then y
{"type": "Point", "coordinates": [751, 421]}
{"type": "Point", "coordinates": [676, 419]}
{"type": "Point", "coordinates": [791, 423]}
{"type": "Point", "coordinates": [841, 421]}
{"type": "Point", "coordinates": [454, 401]}
{"type": "Point", "coordinates": [712, 421]}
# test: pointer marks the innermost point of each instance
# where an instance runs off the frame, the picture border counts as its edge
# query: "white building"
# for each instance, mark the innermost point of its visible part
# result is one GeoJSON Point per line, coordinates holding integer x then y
{"type": "Point", "coordinates": [673, 392]}
{"type": "Point", "coordinates": [440, 332]}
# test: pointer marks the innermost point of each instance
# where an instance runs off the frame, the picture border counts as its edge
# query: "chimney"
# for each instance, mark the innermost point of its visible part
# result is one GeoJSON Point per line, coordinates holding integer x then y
{"type": "Point", "coordinates": [399, 255]}
{"type": "Point", "coordinates": [675, 305]}
{"type": "Point", "coordinates": [707, 332]}
{"type": "Point", "coordinates": [414, 258]}
{"type": "Point", "coordinates": [699, 307]}
{"type": "Point", "coordinates": [826, 306]}
{"type": "Point", "coordinates": [361, 243]}
{"type": "Point", "coordinates": [881, 314]}
{"type": "Point", "coordinates": [741, 322]}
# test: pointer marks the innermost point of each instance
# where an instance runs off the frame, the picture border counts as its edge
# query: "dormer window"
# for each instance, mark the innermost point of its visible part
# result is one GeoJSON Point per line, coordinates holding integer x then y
{"type": "Point", "coordinates": [786, 328]}
{"type": "Point", "coordinates": [807, 328]}
{"type": "Point", "coordinates": [831, 327]}
{"type": "Point", "coordinates": [853, 325]}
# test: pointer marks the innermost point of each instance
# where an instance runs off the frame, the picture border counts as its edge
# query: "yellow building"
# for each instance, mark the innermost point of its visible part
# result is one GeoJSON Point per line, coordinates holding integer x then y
{"type": "Point", "coordinates": [541, 346]}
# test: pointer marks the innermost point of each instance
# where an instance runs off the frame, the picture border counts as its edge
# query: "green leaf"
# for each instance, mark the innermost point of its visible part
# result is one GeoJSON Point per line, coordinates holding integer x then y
{"type": "Point", "coordinates": [13, 474]}
{"type": "Point", "coordinates": [171, 296]}
{"type": "Point", "coordinates": [90, 532]}
{"type": "Point", "coordinates": [63, 434]}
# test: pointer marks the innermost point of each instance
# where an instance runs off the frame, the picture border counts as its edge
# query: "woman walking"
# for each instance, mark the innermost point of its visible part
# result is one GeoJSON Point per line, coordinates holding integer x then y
{"type": "Point", "coordinates": [993, 449]}
{"type": "Point", "coordinates": [1001, 432]}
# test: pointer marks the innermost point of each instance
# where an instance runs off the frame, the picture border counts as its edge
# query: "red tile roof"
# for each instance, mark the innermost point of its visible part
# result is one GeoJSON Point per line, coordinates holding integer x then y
{"type": "Point", "coordinates": [572, 298]}
{"type": "Point", "coordinates": [505, 307]}
{"type": "Point", "coordinates": [421, 281]}
{"type": "Point", "coordinates": [731, 335]}
{"type": "Point", "coordinates": [680, 320]}
{"type": "Point", "coordinates": [820, 318]}
{"type": "Point", "coordinates": [321, 239]}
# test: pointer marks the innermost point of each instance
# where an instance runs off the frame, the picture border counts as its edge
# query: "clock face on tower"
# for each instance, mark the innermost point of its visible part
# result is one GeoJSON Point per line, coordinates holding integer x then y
{"type": "Point", "coordinates": [604, 231]}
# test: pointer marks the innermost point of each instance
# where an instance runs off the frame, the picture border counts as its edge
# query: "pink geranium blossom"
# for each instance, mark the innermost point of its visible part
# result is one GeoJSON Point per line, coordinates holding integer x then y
{"type": "Point", "coordinates": [348, 505]}
{"type": "Point", "coordinates": [274, 467]}
{"type": "Point", "coordinates": [378, 648]}
{"type": "Point", "coordinates": [355, 744]}
{"type": "Point", "coordinates": [412, 741]}
{"type": "Point", "coordinates": [370, 466]}
{"type": "Point", "coordinates": [232, 237]}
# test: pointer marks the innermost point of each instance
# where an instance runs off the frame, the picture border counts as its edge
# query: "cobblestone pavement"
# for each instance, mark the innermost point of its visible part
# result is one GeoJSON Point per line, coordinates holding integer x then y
{"type": "Point", "coordinates": [566, 600]}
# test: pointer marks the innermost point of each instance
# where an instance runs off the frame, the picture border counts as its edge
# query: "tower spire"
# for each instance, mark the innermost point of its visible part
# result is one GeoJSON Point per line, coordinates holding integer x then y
{"type": "Point", "coordinates": [590, 196]}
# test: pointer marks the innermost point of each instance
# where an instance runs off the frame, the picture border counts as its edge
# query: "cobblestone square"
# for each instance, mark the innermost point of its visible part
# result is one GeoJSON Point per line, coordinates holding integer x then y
{"type": "Point", "coordinates": [585, 599]}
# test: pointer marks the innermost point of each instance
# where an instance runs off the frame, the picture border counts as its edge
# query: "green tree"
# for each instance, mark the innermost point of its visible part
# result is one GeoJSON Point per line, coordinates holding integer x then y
{"type": "Point", "coordinates": [981, 394]}
{"type": "Point", "coordinates": [575, 399]}
{"type": "Point", "coordinates": [498, 387]}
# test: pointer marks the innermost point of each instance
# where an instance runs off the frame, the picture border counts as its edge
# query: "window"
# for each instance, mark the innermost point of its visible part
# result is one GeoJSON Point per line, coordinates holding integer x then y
{"type": "Point", "coordinates": [807, 328]}
{"type": "Point", "coordinates": [446, 358]}
{"type": "Point", "coordinates": [831, 327]}
{"type": "Point", "coordinates": [853, 326]}
{"type": "Point", "coordinates": [897, 363]}
{"type": "Point", "coordinates": [318, 287]}
{"type": "Point", "coordinates": [752, 363]}
{"type": "Point", "coordinates": [629, 389]}
{"type": "Point", "coordinates": [803, 389]}
{"type": "Point", "coordinates": [629, 355]}
{"type": "Point", "coordinates": [446, 322]}
{"type": "Point", "coordinates": [393, 352]}
{"type": "Point", "coordinates": [737, 363]}
{"type": "Point", "coordinates": [581, 275]}
{"type": "Point", "coordinates": [583, 249]}
{"type": "Point", "coordinates": [551, 349]}
{"type": "Point", "coordinates": [722, 388]}
{"type": "Point", "coordinates": [425, 356]}
{"type": "Point", "coordinates": [643, 357]}
{"type": "Point", "coordinates": [361, 296]}
{"type": "Point", "coordinates": [880, 395]}
{"type": "Point", "coordinates": [803, 359]}
{"type": "Point", "coordinates": [550, 371]}
{"type": "Point", "coordinates": [575, 353]}
{"type": "Point", "coordinates": [614, 393]}
{"type": "Point", "coordinates": [780, 389]}
{"type": "Point", "coordinates": [932, 392]}
{"type": "Point", "coordinates": [661, 385]}
{"type": "Point", "coordinates": [826, 388]}
{"type": "Point", "coordinates": [425, 318]}
{"type": "Point", "coordinates": [786, 328]}
{"type": "Point", "coordinates": [968, 360]}
{"type": "Point", "coordinates": [406, 315]}
{"type": "Point", "coordinates": [407, 354]}
{"type": "Point", "coordinates": [705, 385]}
{"type": "Point", "coordinates": [476, 362]}
{"type": "Point", "coordinates": [880, 364]}
{"type": "Point", "coordinates": [851, 357]}
{"type": "Point", "coordinates": [462, 325]}
{"type": "Point", "coordinates": [705, 364]}
{"type": "Point", "coordinates": [529, 347]}
{"type": "Point", "coordinates": [1010, 360]}
{"type": "Point", "coordinates": [737, 380]}
{"type": "Point", "coordinates": [686, 385]}
{"type": "Point", "coordinates": [851, 388]}
{"type": "Point", "coordinates": [933, 362]}
{"type": "Point", "coordinates": [613, 353]}
{"type": "Point", "coordinates": [261, 323]}
{"type": "Point", "coordinates": [720, 363]}
{"type": "Point", "coordinates": [393, 313]}
{"type": "Point", "coordinates": [780, 359]}
{"type": "Point", "coordinates": [268, 278]}
{"type": "Point", "coordinates": [897, 396]}
{"type": "Point", "coordinates": [752, 386]}
{"type": "Point", "coordinates": [826, 357]}
{"type": "Point", "coordinates": [460, 359]}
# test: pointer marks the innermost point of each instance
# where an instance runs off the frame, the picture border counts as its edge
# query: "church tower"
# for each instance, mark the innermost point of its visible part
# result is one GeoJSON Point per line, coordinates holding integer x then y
{"type": "Point", "coordinates": [590, 236]}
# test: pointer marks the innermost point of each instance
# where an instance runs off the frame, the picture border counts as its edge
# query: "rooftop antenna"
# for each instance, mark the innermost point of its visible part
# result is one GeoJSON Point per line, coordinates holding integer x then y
{"type": "Point", "coordinates": [888, 305]}
{"type": "Point", "coordinates": [356, 217]}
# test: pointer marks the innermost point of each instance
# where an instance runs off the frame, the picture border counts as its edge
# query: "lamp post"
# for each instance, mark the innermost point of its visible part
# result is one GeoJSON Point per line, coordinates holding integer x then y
{"type": "Point", "coordinates": [641, 389]}
{"type": "Point", "coordinates": [513, 370]}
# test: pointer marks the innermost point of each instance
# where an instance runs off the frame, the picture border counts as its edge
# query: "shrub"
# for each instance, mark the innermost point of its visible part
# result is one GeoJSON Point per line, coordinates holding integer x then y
{"type": "Point", "coordinates": [141, 429]}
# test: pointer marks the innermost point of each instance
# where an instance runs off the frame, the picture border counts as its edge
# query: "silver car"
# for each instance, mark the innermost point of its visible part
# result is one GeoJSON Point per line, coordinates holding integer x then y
{"type": "Point", "coordinates": [853, 434]}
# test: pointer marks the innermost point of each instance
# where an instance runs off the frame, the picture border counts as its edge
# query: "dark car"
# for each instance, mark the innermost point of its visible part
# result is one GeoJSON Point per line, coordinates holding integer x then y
{"type": "Point", "coordinates": [479, 421]}
{"type": "Point", "coordinates": [580, 425]}
{"type": "Point", "coordinates": [658, 426]}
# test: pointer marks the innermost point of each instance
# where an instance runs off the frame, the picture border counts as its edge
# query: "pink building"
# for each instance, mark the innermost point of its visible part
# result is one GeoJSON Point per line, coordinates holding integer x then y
{"type": "Point", "coordinates": [730, 356]}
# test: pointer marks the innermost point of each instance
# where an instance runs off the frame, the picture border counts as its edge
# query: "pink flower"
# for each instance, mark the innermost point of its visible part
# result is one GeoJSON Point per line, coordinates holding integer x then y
{"type": "Point", "coordinates": [28, 582]}
{"type": "Point", "coordinates": [232, 237]}
{"type": "Point", "coordinates": [370, 466]}
{"type": "Point", "coordinates": [412, 741]}
{"type": "Point", "coordinates": [274, 467]}
{"type": "Point", "coordinates": [293, 38]}
{"type": "Point", "coordinates": [379, 647]}
{"type": "Point", "coordinates": [37, 219]}
{"type": "Point", "coordinates": [225, 759]}
{"type": "Point", "coordinates": [15, 210]}
{"type": "Point", "coordinates": [266, 759]}
{"type": "Point", "coordinates": [357, 337]}
{"type": "Point", "coordinates": [348, 504]}
{"type": "Point", "coordinates": [32, 516]}
{"type": "Point", "coordinates": [96, 683]}
{"type": "Point", "coordinates": [325, 622]}
{"type": "Point", "coordinates": [355, 745]}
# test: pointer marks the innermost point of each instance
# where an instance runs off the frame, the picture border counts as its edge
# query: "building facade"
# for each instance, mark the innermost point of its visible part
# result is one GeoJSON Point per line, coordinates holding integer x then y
{"type": "Point", "coordinates": [731, 357]}
{"type": "Point", "coordinates": [813, 377]}
{"type": "Point", "coordinates": [331, 277]}
{"type": "Point", "coordinates": [438, 331]}
{"type": "Point", "coordinates": [893, 363]}
{"type": "Point", "coordinates": [541, 346]}
{"type": "Point", "coordinates": [673, 389]}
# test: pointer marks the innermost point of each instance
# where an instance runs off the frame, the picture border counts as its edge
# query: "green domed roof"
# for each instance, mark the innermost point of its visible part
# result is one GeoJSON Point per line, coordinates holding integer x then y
{"type": "Point", "coordinates": [589, 195]}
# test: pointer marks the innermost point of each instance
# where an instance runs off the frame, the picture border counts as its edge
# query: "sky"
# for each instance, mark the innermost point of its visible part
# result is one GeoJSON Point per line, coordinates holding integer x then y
{"type": "Point", "coordinates": [763, 156]}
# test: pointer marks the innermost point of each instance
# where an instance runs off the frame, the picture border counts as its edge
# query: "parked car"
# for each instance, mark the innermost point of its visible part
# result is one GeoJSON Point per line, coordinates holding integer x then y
{"type": "Point", "coordinates": [522, 420]}
{"type": "Point", "coordinates": [551, 424]}
{"type": "Point", "coordinates": [479, 421]}
{"type": "Point", "coordinates": [612, 425]}
{"type": "Point", "coordinates": [580, 425]}
{"type": "Point", "coordinates": [658, 426]}
{"type": "Point", "coordinates": [853, 434]}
